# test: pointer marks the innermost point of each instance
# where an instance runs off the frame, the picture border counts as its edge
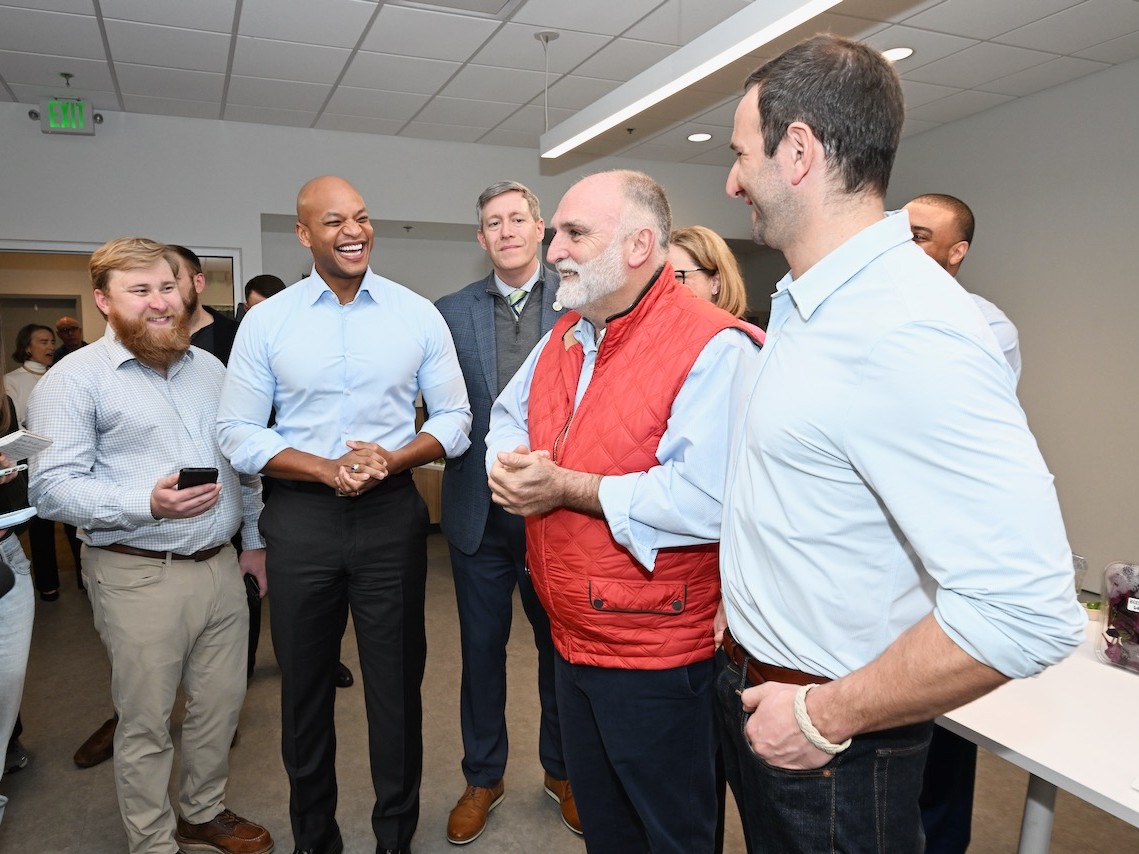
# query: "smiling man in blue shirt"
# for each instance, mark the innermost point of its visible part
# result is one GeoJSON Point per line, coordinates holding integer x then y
{"type": "Point", "coordinates": [341, 357]}
{"type": "Point", "coordinates": [883, 457]}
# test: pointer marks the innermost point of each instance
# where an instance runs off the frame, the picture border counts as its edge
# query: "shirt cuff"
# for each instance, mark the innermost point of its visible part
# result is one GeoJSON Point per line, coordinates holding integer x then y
{"type": "Point", "coordinates": [616, 496]}
{"type": "Point", "coordinates": [136, 510]}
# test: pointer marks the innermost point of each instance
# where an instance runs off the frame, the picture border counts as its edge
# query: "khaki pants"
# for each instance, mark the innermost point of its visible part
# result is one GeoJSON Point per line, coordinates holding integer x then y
{"type": "Point", "coordinates": [166, 623]}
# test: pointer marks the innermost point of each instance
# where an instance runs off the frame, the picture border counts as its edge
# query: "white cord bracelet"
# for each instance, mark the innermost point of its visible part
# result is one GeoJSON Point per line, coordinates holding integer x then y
{"type": "Point", "coordinates": [808, 729]}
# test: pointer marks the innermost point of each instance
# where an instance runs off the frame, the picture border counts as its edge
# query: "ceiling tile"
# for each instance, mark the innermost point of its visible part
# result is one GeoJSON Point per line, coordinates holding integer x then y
{"type": "Point", "coordinates": [983, 19]}
{"type": "Point", "coordinates": [508, 85]}
{"type": "Point", "coordinates": [928, 46]}
{"type": "Point", "coordinates": [603, 16]}
{"type": "Point", "coordinates": [513, 138]}
{"type": "Point", "coordinates": [680, 21]}
{"type": "Point", "coordinates": [100, 100]}
{"type": "Point", "coordinates": [32, 31]}
{"type": "Point", "coordinates": [721, 156]}
{"type": "Point", "coordinates": [269, 116]}
{"type": "Point", "coordinates": [171, 107]}
{"type": "Point", "coordinates": [624, 59]}
{"type": "Point", "coordinates": [1040, 77]}
{"type": "Point", "coordinates": [912, 127]}
{"type": "Point", "coordinates": [1078, 27]}
{"type": "Point", "coordinates": [444, 133]}
{"type": "Point", "coordinates": [213, 15]}
{"type": "Point", "coordinates": [1123, 49]}
{"type": "Point", "coordinates": [574, 93]}
{"type": "Point", "coordinates": [978, 64]}
{"type": "Point", "coordinates": [917, 94]}
{"type": "Point", "coordinates": [514, 46]}
{"type": "Point", "coordinates": [374, 103]}
{"type": "Point", "coordinates": [462, 111]}
{"type": "Point", "coordinates": [894, 11]}
{"type": "Point", "coordinates": [148, 44]}
{"type": "Point", "coordinates": [957, 106]}
{"type": "Point", "coordinates": [845, 25]}
{"type": "Point", "coordinates": [78, 7]}
{"type": "Point", "coordinates": [336, 23]}
{"type": "Point", "coordinates": [279, 94]}
{"type": "Point", "coordinates": [169, 82]}
{"type": "Point", "coordinates": [40, 69]}
{"type": "Point", "coordinates": [432, 35]}
{"type": "Point", "coordinates": [405, 73]}
{"type": "Point", "coordinates": [288, 60]}
{"type": "Point", "coordinates": [360, 124]}
{"type": "Point", "coordinates": [532, 119]}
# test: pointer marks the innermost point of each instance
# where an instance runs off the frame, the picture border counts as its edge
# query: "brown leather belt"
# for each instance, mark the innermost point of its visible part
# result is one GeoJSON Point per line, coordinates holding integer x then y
{"type": "Point", "coordinates": [204, 554]}
{"type": "Point", "coordinates": [758, 672]}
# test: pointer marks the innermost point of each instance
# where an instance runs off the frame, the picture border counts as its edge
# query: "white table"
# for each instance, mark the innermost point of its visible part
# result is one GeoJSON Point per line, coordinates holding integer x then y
{"type": "Point", "coordinates": [1042, 725]}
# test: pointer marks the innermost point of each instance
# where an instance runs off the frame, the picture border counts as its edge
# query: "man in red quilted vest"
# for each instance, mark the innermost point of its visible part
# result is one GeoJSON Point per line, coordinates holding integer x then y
{"type": "Point", "coordinates": [611, 441]}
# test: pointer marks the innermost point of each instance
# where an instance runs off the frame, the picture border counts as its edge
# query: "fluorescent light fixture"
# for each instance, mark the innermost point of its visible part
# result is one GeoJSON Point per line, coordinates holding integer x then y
{"type": "Point", "coordinates": [747, 30]}
{"type": "Point", "coordinates": [895, 54]}
{"type": "Point", "coordinates": [699, 137]}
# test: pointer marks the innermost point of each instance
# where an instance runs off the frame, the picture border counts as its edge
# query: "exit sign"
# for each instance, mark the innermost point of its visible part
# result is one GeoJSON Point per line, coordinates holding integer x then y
{"type": "Point", "coordinates": [67, 115]}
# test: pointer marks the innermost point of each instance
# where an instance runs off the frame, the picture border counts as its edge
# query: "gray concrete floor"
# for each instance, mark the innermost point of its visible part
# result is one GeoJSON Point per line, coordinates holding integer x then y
{"type": "Point", "coordinates": [56, 808]}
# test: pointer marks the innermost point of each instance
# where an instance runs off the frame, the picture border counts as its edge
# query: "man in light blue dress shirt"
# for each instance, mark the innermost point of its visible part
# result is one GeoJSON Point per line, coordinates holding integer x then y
{"type": "Point", "coordinates": [342, 356]}
{"type": "Point", "coordinates": [882, 456]}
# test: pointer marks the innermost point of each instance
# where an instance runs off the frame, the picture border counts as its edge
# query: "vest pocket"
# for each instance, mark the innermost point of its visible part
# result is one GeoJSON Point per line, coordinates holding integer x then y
{"type": "Point", "coordinates": [637, 597]}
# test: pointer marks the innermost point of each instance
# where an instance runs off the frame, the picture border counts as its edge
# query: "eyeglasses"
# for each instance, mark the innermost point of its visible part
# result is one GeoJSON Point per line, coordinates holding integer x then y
{"type": "Point", "coordinates": [683, 274]}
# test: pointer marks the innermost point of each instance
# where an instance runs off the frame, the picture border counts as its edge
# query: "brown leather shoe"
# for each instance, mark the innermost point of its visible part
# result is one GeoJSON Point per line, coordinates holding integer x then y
{"type": "Point", "coordinates": [225, 834]}
{"type": "Point", "coordinates": [98, 747]}
{"type": "Point", "coordinates": [561, 792]}
{"type": "Point", "coordinates": [468, 818]}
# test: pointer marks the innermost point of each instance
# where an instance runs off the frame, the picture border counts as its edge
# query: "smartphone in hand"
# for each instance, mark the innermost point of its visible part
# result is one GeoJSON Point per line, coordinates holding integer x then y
{"type": "Point", "coordinates": [196, 477]}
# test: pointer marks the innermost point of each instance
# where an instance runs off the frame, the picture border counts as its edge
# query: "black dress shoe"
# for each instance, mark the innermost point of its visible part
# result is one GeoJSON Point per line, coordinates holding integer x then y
{"type": "Point", "coordinates": [343, 676]}
{"type": "Point", "coordinates": [336, 846]}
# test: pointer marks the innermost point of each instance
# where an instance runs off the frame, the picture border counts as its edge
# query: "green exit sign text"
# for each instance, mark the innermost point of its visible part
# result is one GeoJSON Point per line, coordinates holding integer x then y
{"type": "Point", "coordinates": [66, 115]}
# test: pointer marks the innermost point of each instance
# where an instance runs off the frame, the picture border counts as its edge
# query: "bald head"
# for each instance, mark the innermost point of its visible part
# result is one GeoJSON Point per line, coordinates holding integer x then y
{"type": "Point", "coordinates": [70, 332]}
{"type": "Point", "coordinates": [332, 221]}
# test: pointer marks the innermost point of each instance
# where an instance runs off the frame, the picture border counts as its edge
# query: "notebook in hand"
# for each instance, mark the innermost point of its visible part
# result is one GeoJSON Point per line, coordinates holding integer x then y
{"type": "Point", "coordinates": [22, 444]}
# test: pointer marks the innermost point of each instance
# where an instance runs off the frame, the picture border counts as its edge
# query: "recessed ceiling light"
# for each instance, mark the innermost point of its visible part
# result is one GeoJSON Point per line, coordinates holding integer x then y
{"type": "Point", "coordinates": [699, 137]}
{"type": "Point", "coordinates": [896, 53]}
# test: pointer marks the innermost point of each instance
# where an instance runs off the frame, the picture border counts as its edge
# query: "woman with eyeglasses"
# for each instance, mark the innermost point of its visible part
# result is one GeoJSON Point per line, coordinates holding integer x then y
{"type": "Point", "coordinates": [703, 262]}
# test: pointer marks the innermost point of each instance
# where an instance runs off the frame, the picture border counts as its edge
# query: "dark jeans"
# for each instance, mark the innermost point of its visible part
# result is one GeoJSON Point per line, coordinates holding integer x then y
{"type": "Point", "coordinates": [863, 800]}
{"type": "Point", "coordinates": [484, 593]}
{"type": "Point", "coordinates": [639, 749]}
{"type": "Point", "coordinates": [326, 555]}
{"type": "Point", "coordinates": [947, 793]}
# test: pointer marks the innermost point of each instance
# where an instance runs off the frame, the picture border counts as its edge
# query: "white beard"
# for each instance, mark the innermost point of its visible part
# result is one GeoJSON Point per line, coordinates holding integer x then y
{"type": "Point", "coordinates": [594, 279]}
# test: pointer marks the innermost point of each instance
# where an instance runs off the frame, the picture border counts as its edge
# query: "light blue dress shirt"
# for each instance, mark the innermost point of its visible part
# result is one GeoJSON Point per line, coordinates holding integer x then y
{"type": "Point", "coordinates": [337, 372]}
{"type": "Point", "coordinates": [678, 502]}
{"type": "Point", "coordinates": [883, 456]}
{"type": "Point", "coordinates": [1007, 337]}
{"type": "Point", "coordinates": [118, 426]}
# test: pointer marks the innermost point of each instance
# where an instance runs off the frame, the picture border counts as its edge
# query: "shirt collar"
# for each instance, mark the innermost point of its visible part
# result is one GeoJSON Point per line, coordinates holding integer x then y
{"type": "Point", "coordinates": [34, 367]}
{"type": "Point", "coordinates": [315, 287]}
{"type": "Point", "coordinates": [813, 288]}
{"type": "Point", "coordinates": [506, 290]}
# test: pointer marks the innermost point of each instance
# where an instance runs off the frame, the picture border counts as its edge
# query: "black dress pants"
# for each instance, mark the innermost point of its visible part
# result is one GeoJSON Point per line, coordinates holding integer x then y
{"type": "Point", "coordinates": [327, 554]}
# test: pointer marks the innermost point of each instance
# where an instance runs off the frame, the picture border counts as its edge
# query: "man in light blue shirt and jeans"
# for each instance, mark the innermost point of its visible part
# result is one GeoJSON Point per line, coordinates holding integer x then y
{"type": "Point", "coordinates": [882, 456]}
{"type": "Point", "coordinates": [342, 356]}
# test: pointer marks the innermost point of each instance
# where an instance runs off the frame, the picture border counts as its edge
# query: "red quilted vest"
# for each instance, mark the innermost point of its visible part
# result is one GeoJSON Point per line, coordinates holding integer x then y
{"type": "Point", "coordinates": [605, 608]}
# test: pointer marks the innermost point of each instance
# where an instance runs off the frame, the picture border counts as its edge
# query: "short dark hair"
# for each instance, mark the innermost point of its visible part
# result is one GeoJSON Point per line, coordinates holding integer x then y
{"type": "Point", "coordinates": [181, 255]}
{"type": "Point", "coordinates": [847, 93]}
{"type": "Point", "coordinates": [24, 340]}
{"type": "Point", "coordinates": [266, 285]}
{"type": "Point", "coordinates": [962, 213]}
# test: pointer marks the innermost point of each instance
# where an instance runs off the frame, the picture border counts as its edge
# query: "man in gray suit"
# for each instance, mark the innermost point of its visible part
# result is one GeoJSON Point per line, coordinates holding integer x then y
{"type": "Point", "coordinates": [496, 322]}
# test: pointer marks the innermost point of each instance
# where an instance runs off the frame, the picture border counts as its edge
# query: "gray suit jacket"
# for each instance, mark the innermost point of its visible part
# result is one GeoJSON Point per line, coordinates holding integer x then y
{"type": "Point", "coordinates": [470, 315]}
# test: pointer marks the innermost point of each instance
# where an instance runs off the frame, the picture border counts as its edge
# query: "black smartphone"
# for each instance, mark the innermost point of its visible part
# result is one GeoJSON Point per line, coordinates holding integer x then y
{"type": "Point", "coordinates": [252, 588]}
{"type": "Point", "coordinates": [196, 477]}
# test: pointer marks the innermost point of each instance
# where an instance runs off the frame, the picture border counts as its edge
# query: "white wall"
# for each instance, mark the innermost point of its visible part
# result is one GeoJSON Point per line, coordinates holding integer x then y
{"type": "Point", "coordinates": [1054, 184]}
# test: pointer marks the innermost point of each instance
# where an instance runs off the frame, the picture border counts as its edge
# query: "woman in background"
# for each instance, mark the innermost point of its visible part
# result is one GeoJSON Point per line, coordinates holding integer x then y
{"type": "Point", "coordinates": [704, 264]}
{"type": "Point", "coordinates": [35, 351]}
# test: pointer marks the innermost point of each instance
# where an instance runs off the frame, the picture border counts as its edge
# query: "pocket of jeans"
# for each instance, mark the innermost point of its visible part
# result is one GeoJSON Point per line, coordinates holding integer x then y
{"type": "Point", "coordinates": [144, 574]}
{"type": "Point", "coordinates": [12, 553]}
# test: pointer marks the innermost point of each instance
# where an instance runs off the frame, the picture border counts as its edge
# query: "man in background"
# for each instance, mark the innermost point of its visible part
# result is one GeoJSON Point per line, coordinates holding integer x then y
{"type": "Point", "coordinates": [496, 322]}
{"type": "Point", "coordinates": [209, 328]}
{"type": "Point", "coordinates": [258, 289]}
{"type": "Point", "coordinates": [167, 595]}
{"type": "Point", "coordinates": [341, 356]}
{"type": "Point", "coordinates": [903, 468]}
{"type": "Point", "coordinates": [70, 335]}
{"type": "Point", "coordinates": [942, 226]}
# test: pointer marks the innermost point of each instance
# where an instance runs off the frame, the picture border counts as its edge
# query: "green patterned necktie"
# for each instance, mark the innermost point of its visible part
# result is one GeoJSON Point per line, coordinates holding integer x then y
{"type": "Point", "coordinates": [516, 298]}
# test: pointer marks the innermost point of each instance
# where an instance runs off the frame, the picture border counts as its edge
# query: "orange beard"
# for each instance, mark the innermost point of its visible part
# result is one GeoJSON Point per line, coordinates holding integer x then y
{"type": "Point", "coordinates": [156, 348]}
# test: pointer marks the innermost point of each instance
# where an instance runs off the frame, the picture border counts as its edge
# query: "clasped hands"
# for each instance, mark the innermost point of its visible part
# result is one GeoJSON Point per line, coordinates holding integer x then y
{"type": "Point", "coordinates": [525, 482]}
{"type": "Point", "coordinates": [361, 469]}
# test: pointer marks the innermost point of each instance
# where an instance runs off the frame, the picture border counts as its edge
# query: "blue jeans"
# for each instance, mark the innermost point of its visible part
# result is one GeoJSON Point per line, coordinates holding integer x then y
{"type": "Point", "coordinates": [639, 751]}
{"type": "Point", "coordinates": [863, 800]}
{"type": "Point", "coordinates": [16, 610]}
